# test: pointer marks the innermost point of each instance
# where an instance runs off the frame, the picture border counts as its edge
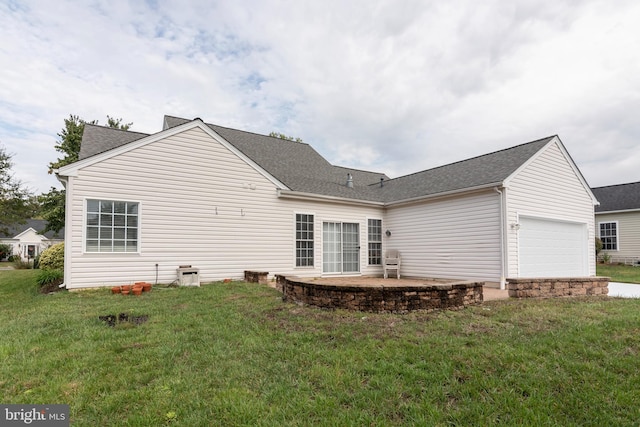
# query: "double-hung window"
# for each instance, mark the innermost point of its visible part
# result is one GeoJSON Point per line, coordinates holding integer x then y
{"type": "Point", "coordinates": [304, 240]}
{"type": "Point", "coordinates": [609, 235]}
{"type": "Point", "coordinates": [375, 241]}
{"type": "Point", "coordinates": [112, 226]}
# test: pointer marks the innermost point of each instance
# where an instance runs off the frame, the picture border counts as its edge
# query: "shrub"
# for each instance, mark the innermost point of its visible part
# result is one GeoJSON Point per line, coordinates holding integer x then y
{"type": "Point", "coordinates": [52, 258]}
{"type": "Point", "coordinates": [598, 245]}
{"type": "Point", "coordinates": [20, 264]}
{"type": "Point", "coordinates": [49, 280]}
{"type": "Point", "coordinates": [5, 250]}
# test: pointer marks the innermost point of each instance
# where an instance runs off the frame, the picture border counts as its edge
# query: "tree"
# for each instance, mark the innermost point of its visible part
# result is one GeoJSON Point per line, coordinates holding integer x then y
{"type": "Point", "coordinates": [52, 203]}
{"type": "Point", "coordinates": [286, 137]}
{"type": "Point", "coordinates": [15, 199]}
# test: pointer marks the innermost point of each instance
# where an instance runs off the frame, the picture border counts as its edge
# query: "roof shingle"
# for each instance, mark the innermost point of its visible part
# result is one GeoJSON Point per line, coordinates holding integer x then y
{"type": "Point", "coordinates": [618, 197]}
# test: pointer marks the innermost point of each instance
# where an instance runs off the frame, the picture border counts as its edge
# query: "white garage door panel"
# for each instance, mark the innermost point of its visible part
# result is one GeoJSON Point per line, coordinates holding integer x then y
{"type": "Point", "coordinates": [549, 248]}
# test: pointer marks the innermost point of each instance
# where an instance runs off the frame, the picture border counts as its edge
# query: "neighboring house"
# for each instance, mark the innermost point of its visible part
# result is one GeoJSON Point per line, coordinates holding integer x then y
{"type": "Point", "coordinates": [618, 221]}
{"type": "Point", "coordinates": [225, 201]}
{"type": "Point", "coordinates": [26, 240]}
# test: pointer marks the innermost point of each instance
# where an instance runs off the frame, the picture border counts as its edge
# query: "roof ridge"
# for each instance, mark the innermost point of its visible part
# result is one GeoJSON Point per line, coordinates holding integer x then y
{"type": "Point", "coordinates": [476, 157]}
{"type": "Point", "coordinates": [112, 128]}
{"type": "Point", "coordinates": [359, 170]}
{"type": "Point", "coordinates": [255, 133]}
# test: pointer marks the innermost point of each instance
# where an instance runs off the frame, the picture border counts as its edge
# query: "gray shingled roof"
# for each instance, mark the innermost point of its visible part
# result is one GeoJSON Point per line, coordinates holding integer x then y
{"type": "Point", "coordinates": [618, 197]}
{"type": "Point", "coordinates": [303, 169]}
{"type": "Point", "coordinates": [98, 139]}
{"type": "Point", "coordinates": [492, 168]}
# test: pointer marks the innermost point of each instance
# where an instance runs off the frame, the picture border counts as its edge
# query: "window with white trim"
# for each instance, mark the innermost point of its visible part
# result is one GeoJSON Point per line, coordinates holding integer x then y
{"type": "Point", "coordinates": [304, 240]}
{"type": "Point", "coordinates": [375, 241]}
{"type": "Point", "coordinates": [112, 226]}
{"type": "Point", "coordinates": [609, 235]}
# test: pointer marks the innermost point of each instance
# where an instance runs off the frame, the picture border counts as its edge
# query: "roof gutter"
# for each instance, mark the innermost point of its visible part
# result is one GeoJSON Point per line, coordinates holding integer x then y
{"type": "Point", "coordinates": [297, 195]}
{"type": "Point", "coordinates": [618, 211]}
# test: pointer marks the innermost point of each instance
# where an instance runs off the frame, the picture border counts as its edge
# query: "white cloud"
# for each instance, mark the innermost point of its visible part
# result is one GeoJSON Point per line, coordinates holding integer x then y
{"type": "Point", "coordinates": [391, 86]}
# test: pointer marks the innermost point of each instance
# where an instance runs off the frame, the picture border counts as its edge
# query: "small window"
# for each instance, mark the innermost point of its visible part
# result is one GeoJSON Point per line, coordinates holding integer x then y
{"type": "Point", "coordinates": [112, 226]}
{"type": "Point", "coordinates": [304, 240]}
{"type": "Point", "coordinates": [375, 241]}
{"type": "Point", "coordinates": [609, 235]}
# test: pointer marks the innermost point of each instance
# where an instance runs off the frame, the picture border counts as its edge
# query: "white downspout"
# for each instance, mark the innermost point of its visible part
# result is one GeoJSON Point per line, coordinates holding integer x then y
{"type": "Point", "coordinates": [502, 240]}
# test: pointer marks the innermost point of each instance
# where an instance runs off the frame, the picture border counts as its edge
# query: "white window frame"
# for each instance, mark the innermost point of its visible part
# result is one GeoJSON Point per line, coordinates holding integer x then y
{"type": "Point", "coordinates": [617, 235]}
{"type": "Point", "coordinates": [371, 242]}
{"type": "Point", "coordinates": [125, 228]}
{"type": "Point", "coordinates": [310, 260]}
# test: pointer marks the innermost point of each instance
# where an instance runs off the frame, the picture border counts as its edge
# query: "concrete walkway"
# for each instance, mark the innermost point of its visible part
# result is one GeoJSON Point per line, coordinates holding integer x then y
{"type": "Point", "coordinates": [624, 290]}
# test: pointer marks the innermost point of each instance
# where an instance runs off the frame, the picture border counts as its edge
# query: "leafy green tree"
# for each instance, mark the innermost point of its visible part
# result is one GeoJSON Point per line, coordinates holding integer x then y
{"type": "Point", "coordinates": [15, 198]}
{"type": "Point", "coordinates": [286, 137]}
{"type": "Point", "coordinates": [52, 203]}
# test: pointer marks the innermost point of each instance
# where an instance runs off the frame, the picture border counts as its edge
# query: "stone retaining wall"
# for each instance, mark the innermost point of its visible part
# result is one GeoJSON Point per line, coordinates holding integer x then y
{"type": "Point", "coordinates": [557, 287]}
{"type": "Point", "coordinates": [381, 299]}
{"type": "Point", "coordinates": [256, 277]}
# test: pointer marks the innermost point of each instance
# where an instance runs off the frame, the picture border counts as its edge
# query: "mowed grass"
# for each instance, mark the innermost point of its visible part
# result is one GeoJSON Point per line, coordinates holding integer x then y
{"type": "Point", "coordinates": [619, 273]}
{"type": "Point", "coordinates": [235, 354]}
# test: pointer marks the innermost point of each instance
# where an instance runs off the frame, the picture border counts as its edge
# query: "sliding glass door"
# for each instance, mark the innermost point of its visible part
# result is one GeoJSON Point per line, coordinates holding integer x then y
{"type": "Point", "coordinates": [340, 247]}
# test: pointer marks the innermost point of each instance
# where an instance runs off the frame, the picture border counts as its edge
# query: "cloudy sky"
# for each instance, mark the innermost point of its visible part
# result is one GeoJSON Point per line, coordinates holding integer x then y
{"type": "Point", "coordinates": [391, 86]}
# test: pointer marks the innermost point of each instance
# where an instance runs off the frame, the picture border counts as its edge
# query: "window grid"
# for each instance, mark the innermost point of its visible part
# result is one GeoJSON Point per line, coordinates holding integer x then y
{"type": "Point", "coordinates": [304, 240]}
{"type": "Point", "coordinates": [112, 226]}
{"type": "Point", "coordinates": [609, 236]}
{"type": "Point", "coordinates": [375, 241]}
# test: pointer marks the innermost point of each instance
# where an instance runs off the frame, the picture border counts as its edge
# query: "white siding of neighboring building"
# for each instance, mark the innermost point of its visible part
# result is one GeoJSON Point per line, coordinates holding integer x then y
{"type": "Point", "coordinates": [628, 232]}
{"type": "Point", "coordinates": [201, 205]}
{"type": "Point", "coordinates": [456, 237]}
{"type": "Point", "coordinates": [548, 187]}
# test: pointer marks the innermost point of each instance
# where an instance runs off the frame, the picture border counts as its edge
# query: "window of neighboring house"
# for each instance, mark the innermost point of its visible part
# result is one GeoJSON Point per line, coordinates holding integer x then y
{"type": "Point", "coordinates": [375, 241]}
{"type": "Point", "coordinates": [112, 226]}
{"type": "Point", "coordinates": [609, 235]}
{"type": "Point", "coordinates": [304, 240]}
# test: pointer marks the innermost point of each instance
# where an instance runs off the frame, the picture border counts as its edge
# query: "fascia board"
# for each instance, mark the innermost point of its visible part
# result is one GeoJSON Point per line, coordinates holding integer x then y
{"type": "Point", "coordinates": [618, 211]}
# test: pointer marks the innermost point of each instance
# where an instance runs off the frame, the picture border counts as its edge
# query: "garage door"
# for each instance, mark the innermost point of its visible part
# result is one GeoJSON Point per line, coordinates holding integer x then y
{"type": "Point", "coordinates": [549, 248]}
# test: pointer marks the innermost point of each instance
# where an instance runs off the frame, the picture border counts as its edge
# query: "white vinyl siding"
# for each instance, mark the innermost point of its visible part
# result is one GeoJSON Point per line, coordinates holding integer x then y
{"type": "Point", "coordinates": [456, 238]}
{"type": "Point", "coordinates": [202, 206]}
{"type": "Point", "coordinates": [548, 188]}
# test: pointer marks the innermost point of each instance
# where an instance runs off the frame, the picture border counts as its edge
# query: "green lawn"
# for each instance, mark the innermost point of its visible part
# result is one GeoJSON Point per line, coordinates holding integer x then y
{"type": "Point", "coordinates": [235, 354]}
{"type": "Point", "coordinates": [619, 273]}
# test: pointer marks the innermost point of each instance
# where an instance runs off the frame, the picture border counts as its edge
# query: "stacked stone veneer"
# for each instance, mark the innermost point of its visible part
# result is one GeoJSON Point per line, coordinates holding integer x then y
{"type": "Point", "coordinates": [557, 287]}
{"type": "Point", "coordinates": [381, 299]}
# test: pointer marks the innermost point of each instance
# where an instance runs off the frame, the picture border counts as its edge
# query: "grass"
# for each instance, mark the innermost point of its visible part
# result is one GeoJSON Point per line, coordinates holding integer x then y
{"type": "Point", "coordinates": [235, 354]}
{"type": "Point", "coordinates": [619, 273]}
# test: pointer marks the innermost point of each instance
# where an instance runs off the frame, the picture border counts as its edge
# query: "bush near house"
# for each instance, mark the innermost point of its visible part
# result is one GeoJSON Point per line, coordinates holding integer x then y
{"type": "Point", "coordinates": [52, 258]}
{"type": "Point", "coordinates": [5, 250]}
{"type": "Point", "coordinates": [51, 263]}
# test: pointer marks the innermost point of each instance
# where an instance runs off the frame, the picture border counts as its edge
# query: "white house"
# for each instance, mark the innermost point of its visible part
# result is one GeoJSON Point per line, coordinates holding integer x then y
{"type": "Point", "coordinates": [225, 201]}
{"type": "Point", "coordinates": [26, 240]}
